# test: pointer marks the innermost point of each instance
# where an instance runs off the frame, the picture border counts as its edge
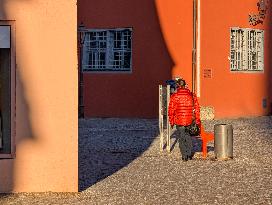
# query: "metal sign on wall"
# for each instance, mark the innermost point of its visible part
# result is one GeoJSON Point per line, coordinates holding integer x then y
{"type": "Point", "coordinates": [255, 19]}
{"type": "Point", "coordinates": [207, 73]}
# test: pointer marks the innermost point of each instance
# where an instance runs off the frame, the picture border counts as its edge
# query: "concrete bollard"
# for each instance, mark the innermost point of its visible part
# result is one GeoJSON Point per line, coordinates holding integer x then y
{"type": "Point", "coordinates": [223, 141]}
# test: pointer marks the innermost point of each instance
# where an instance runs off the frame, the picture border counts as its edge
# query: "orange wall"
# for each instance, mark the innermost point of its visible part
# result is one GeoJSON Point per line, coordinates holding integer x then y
{"type": "Point", "coordinates": [176, 21]}
{"type": "Point", "coordinates": [46, 97]}
{"type": "Point", "coordinates": [162, 49]}
{"type": "Point", "coordinates": [161, 46]}
{"type": "Point", "coordinates": [232, 94]}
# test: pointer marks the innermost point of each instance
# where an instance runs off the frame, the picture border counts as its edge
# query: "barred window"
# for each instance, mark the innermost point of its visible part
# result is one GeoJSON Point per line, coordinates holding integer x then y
{"type": "Point", "coordinates": [246, 49]}
{"type": "Point", "coordinates": [107, 50]}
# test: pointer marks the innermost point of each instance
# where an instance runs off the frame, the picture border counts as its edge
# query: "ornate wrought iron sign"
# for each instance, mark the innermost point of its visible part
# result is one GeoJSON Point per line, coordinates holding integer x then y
{"type": "Point", "coordinates": [255, 19]}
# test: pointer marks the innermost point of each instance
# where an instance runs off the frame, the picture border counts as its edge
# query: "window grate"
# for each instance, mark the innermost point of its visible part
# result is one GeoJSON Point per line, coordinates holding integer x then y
{"type": "Point", "coordinates": [107, 50]}
{"type": "Point", "coordinates": [246, 49]}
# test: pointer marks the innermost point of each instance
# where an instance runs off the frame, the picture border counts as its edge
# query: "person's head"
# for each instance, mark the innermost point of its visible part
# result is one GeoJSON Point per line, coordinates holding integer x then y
{"type": "Point", "coordinates": [181, 83]}
{"type": "Point", "coordinates": [177, 78]}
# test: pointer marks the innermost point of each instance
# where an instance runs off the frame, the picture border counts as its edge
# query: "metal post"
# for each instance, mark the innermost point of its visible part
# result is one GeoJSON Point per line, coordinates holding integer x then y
{"type": "Point", "coordinates": [82, 35]}
{"type": "Point", "coordinates": [223, 141]}
{"type": "Point", "coordinates": [161, 117]}
{"type": "Point", "coordinates": [194, 46]}
{"type": "Point", "coordinates": [168, 135]}
{"type": "Point", "coordinates": [81, 87]}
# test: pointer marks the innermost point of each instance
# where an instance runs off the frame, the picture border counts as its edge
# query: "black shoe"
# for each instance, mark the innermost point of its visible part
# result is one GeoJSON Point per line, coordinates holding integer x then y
{"type": "Point", "coordinates": [191, 156]}
{"type": "Point", "coordinates": [185, 158]}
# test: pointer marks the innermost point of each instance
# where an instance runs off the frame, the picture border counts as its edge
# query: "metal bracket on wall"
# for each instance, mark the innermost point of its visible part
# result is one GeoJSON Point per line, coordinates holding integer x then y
{"type": "Point", "coordinates": [255, 19]}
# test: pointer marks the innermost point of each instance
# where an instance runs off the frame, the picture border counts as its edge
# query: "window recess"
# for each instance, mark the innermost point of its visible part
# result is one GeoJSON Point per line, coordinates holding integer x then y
{"type": "Point", "coordinates": [246, 49]}
{"type": "Point", "coordinates": [107, 50]}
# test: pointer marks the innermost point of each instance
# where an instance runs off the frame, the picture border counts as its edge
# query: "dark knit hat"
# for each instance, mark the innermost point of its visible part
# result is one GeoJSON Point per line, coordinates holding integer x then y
{"type": "Point", "coordinates": [181, 82]}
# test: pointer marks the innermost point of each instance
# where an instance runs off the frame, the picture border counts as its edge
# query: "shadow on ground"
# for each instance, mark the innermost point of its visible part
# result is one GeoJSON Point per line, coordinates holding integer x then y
{"type": "Point", "coordinates": [108, 145]}
{"type": "Point", "coordinates": [196, 140]}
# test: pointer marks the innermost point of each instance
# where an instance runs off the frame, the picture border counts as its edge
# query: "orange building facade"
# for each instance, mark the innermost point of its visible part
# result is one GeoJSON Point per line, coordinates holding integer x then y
{"type": "Point", "coordinates": [232, 57]}
{"type": "Point", "coordinates": [38, 96]}
{"type": "Point", "coordinates": [231, 93]}
{"type": "Point", "coordinates": [151, 41]}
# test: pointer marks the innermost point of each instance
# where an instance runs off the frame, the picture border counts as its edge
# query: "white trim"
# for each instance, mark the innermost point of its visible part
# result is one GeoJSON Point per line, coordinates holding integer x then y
{"type": "Point", "coordinates": [198, 51]}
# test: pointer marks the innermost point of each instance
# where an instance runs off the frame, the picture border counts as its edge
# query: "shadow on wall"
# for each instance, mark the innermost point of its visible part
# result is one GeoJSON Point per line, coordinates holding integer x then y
{"type": "Point", "coordinates": [20, 116]}
{"type": "Point", "coordinates": [131, 94]}
{"type": "Point", "coordinates": [106, 145]}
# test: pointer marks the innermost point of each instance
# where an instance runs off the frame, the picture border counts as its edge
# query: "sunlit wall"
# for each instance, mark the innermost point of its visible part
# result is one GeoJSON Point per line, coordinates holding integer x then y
{"type": "Point", "coordinates": [232, 94]}
{"type": "Point", "coordinates": [46, 97]}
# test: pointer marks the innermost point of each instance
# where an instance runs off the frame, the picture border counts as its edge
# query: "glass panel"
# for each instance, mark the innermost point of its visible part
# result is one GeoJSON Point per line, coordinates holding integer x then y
{"type": "Point", "coordinates": [5, 100]}
{"type": "Point", "coordinates": [4, 36]}
{"type": "Point", "coordinates": [127, 57]}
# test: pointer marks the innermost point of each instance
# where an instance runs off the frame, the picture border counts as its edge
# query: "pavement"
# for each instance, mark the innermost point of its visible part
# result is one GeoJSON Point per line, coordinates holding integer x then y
{"type": "Point", "coordinates": [120, 163]}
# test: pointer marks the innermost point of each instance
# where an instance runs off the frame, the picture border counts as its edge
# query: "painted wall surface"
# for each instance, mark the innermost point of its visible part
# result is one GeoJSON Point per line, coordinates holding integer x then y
{"type": "Point", "coordinates": [232, 94]}
{"type": "Point", "coordinates": [46, 97]}
{"type": "Point", "coordinates": [161, 49]}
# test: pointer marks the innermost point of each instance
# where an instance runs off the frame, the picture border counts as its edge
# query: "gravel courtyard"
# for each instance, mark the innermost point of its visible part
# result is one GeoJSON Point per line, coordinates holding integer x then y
{"type": "Point", "coordinates": [120, 163]}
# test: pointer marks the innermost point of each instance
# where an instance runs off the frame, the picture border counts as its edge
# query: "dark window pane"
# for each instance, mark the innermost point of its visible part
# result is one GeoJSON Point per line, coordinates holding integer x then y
{"type": "Point", "coordinates": [117, 56]}
{"type": "Point", "coordinates": [127, 57]}
{"type": "Point", "coordinates": [102, 44]}
{"type": "Point", "coordinates": [93, 44]}
{"type": "Point", "coordinates": [103, 58]}
{"type": "Point", "coordinates": [92, 36]}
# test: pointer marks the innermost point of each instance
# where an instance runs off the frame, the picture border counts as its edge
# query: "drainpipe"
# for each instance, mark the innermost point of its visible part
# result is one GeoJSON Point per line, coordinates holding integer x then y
{"type": "Point", "coordinates": [194, 46]}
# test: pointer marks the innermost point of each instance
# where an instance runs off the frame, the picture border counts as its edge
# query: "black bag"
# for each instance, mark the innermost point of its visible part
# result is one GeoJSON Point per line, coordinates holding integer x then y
{"type": "Point", "coordinates": [194, 129]}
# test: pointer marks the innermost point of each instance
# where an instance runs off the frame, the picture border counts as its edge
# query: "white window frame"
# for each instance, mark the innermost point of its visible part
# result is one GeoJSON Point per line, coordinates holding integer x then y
{"type": "Point", "coordinates": [246, 50]}
{"type": "Point", "coordinates": [105, 52]}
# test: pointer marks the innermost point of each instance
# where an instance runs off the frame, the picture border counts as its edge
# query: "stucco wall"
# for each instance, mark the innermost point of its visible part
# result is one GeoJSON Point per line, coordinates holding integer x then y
{"type": "Point", "coordinates": [46, 97]}
{"type": "Point", "coordinates": [161, 49]}
{"type": "Point", "coordinates": [232, 94]}
{"type": "Point", "coordinates": [176, 22]}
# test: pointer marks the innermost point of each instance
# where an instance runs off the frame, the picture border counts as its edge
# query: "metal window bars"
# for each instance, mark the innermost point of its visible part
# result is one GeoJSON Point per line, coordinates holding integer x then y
{"type": "Point", "coordinates": [107, 50]}
{"type": "Point", "coordinates": [246, 49]}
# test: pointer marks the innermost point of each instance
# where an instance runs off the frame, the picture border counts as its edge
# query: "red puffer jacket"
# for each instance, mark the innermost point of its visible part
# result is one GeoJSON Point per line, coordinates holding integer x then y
{"type": "Point", "coordinates": [180, 110]}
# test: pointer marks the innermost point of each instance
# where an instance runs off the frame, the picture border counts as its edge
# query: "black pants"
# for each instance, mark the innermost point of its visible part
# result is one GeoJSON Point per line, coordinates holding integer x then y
{"type": "Point", "coordinates": [185, 141]}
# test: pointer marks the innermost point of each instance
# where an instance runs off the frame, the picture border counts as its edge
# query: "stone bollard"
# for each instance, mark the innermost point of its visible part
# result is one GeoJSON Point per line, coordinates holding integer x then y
{"type": "Point", "coordinates": [223, 141]}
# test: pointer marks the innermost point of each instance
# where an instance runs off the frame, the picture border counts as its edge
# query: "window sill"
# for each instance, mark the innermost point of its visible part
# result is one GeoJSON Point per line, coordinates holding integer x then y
{"type": "Point", "coordinates": [7, 156]}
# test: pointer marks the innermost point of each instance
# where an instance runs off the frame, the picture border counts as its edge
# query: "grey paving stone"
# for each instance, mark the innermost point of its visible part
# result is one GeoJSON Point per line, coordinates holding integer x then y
{"type": "Point", "coordinates": [120, 163]}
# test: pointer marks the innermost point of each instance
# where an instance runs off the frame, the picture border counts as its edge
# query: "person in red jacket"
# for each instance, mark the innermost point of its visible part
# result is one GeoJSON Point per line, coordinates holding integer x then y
{"type": "Point", "coordinates": [180, 112]}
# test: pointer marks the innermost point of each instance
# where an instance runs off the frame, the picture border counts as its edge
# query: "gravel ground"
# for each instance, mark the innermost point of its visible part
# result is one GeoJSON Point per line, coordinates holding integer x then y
{"type": "Point", "coordinates": [120, 163]}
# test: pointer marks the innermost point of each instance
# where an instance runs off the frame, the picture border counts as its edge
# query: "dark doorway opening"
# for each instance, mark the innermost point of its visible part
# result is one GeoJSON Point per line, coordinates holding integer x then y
{"type": "Point", "coordinates": [5, 90]}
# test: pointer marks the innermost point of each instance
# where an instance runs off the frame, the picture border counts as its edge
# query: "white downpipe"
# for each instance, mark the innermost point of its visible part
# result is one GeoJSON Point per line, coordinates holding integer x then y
{"type": "Point", "coordinates": [198, 50]}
